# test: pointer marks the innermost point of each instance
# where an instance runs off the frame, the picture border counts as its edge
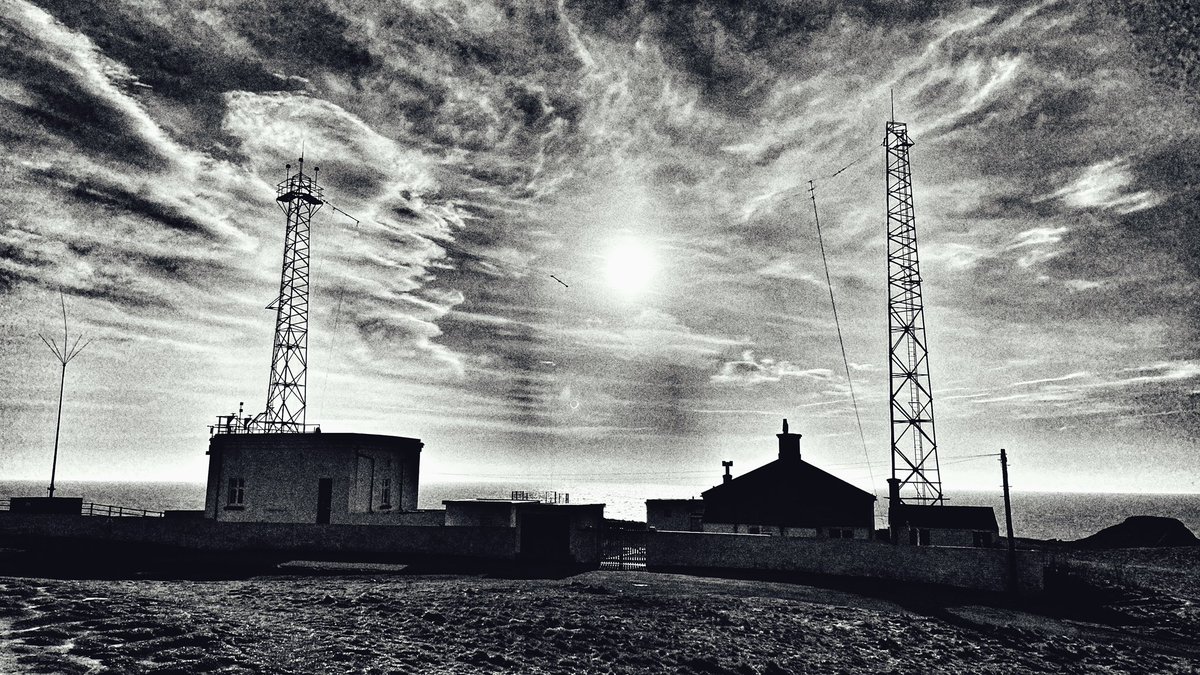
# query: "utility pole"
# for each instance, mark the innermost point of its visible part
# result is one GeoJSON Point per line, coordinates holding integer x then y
{"type": "Point", "coordinates": [1012, 545]}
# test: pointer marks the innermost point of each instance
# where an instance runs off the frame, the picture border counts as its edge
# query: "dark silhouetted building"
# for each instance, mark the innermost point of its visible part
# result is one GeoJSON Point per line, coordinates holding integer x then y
{"type": "Point", "coordinates": [940, 525]}
{"type": "Point", "coordinates": [544, 531]}
{"type": "Point", "coordinates": [787, 497]}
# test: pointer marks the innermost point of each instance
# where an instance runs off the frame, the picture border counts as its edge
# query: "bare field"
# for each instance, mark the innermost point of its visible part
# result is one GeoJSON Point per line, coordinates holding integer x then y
{"type": "Point", "coordinates": [598, 622]}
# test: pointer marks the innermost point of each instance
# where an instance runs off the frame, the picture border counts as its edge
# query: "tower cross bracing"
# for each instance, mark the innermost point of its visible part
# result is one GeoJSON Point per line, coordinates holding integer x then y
{"type": "Point", "coordinates": [299, 196]}
{"type": "Point", "coordinates": [914, 441]}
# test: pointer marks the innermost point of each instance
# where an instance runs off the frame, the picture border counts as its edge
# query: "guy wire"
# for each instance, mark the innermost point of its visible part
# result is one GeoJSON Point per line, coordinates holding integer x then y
{"type": "Point", "coordinates": [841, 343]}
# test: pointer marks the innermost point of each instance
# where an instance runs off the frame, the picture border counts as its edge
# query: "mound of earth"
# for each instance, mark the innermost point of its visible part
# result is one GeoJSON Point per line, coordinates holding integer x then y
{"type": "Point", "coordinates": [1141, 532]}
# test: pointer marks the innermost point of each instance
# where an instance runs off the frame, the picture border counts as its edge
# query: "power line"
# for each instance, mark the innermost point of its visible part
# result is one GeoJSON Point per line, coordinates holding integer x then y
{"type": "Point", "coordinates": [697, 472]}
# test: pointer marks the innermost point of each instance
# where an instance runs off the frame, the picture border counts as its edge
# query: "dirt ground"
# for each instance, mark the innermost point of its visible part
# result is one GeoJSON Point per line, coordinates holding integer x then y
{"type": "Point", "coordinates": [597, 622]}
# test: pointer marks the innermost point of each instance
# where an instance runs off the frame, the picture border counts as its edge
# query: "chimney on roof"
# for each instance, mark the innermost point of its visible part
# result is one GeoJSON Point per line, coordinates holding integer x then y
{"type": "Point", "coordinates": [727, 464]}
{"type": "Point", "coordinates": [789, 444]}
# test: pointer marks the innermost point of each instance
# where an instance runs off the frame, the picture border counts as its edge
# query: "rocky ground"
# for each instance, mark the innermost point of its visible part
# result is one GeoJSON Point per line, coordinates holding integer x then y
{"type": "Point", "coordinates": [598, 622]}
{"type": "Point", "coordinates": [1153, 593]}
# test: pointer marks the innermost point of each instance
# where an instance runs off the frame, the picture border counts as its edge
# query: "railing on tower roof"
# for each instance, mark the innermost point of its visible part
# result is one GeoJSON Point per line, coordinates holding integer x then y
{"type": "Point", "coordinates": [300, 186]}
{"type": "Point", "coordinates": [235, 424]}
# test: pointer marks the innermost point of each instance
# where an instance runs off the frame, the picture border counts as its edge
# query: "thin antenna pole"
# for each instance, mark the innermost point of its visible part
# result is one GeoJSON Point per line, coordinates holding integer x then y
{"type": "Point", "coordinates": [62, 384]}
{"type": "Point", "coordinates": [69, 351]}
{"type": "Point", "coordinates": [892, 97]}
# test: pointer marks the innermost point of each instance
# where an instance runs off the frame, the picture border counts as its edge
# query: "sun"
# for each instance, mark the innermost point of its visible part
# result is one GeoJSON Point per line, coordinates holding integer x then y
{"type": "Point", "coordinates": [629, 266]}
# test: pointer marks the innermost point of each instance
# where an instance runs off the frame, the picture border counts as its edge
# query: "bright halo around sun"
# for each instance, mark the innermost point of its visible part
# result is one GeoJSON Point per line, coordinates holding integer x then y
{"type": "Point", "coordinates": [629, 266]}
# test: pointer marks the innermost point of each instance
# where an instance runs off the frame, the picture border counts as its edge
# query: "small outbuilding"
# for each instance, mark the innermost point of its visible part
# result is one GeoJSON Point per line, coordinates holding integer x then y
{"type": "Point", "coordinates": [545, 532]}
{"type": "Point", "coordinates": [788, 497]}
{"type": "Point", "coordinates": [351, 479]}
{"type": "Point", "coordinates": [942, 525]}
{"type": "Point", "coordinates": [939, 524]}
{"type": "Point", "coordinates": [680, 515]}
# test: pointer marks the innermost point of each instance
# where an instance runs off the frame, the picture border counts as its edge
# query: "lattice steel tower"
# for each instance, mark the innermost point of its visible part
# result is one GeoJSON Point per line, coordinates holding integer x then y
{"type": "Point", "coordinates": [914, 443]}
{"type": "Point", "coordinates": [300, 197]}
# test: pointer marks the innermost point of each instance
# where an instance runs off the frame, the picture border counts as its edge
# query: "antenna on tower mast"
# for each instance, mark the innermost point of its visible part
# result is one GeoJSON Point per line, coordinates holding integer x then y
{"type": "Point", "coordinates": [914, 443]}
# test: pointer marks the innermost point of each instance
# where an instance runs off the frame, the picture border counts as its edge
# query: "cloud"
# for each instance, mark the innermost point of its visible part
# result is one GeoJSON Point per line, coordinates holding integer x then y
{"type": "Point", "coordinates": [790, 270]}
{"type": "Point", "coordinates": [1079, 285]}
{"type": "Point", "coordinates": [68, 88]}
{"type": "Point", "coordinates": [653, 336]}
{"type": "Point", "coordinates": [1061, 378]}
{"type": "Point", "coordinates": [954, 256]}
{"type": "Point", "coordinates": [483, 146]}
{"type": "Point", "coordinates": [1105, 185]}
{"type": "Point", "coordinates": [749, 371]}
{"type": "Point", "coordinates": [307, 33]}
{"type": "Point", "coordinates": [1038, 243]}
{"type": "Point", "coordinates": [1123, 392]}
{"type": "Point", "coordinates": [358, 162]}
{"type": "Point", "coordinates": [1158, 372]}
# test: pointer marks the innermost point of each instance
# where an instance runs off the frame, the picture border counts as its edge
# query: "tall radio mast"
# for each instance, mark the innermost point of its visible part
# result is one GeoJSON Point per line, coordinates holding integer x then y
{"type": "Point", "coordinates": [914, 442]}
{"type": "Point", "coordinates": [300, 197]}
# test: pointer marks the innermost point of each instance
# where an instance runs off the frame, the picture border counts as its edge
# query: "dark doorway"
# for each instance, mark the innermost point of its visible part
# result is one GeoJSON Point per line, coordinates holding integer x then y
{"type": "Point", "coordinates": [546, 537]}
{"type": "Point", "coordinates": [324, 499]}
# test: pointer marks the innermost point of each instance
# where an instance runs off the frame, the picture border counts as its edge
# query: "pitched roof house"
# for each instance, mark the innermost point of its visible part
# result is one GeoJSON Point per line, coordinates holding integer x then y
{"type": "Point", "coordinates": [789, 497]}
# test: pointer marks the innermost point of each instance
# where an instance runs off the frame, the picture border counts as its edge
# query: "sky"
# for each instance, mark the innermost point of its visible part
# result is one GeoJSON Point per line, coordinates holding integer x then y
{"type": "Point", "coordinates": [655, 158]}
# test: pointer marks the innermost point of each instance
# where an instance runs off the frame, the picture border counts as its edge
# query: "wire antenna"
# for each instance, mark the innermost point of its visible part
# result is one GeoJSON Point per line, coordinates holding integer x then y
{"type": "Point", "coordinates": [812, 192]}
{"type": "Point", "coordinates": [68, 351]}
{"type": "Point", "coordinates": [337, 317]}
{"type": "Point", "coordinates": [357, 222]}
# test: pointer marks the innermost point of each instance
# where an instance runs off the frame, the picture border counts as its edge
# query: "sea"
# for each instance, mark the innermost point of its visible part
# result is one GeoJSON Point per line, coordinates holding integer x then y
{"type": "Point", "coordinates": [1037, 515]}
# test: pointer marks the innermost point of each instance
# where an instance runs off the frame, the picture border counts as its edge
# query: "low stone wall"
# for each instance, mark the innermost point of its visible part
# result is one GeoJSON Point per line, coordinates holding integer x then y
{"type": "Point", "coordinates": [983, 569]}
{"type": "Point", "coordinates": [349, 542]}
{"type": "Point", "coordinates": [427, 518]}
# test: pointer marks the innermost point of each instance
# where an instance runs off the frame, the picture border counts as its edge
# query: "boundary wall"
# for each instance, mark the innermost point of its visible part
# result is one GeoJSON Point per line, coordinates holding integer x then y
{"type": "Point", "coordinates": [81, 535]}
{"type": "Point", "coordinates": [981, 569]}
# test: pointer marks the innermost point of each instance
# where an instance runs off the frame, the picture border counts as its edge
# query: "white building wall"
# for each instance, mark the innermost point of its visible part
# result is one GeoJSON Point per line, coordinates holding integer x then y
{"type": "Point", "coordinates": [278, 477]}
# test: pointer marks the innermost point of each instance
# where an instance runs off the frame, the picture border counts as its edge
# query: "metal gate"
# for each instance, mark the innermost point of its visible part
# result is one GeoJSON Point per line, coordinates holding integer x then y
{"type": "Point", "coordinates": [624, 546]}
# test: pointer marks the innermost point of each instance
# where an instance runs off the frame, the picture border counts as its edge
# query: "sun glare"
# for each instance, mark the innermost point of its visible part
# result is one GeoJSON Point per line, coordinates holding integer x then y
{"type": "Point", "coordinates": [629, 266]}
